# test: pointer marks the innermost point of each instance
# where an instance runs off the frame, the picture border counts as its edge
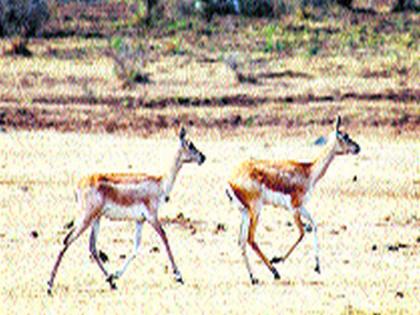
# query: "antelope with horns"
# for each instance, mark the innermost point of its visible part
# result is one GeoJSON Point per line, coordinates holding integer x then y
{"type": "Point", "coordinates": [133, 197]}
{"type": "Point", "coordinates": [289, 184]}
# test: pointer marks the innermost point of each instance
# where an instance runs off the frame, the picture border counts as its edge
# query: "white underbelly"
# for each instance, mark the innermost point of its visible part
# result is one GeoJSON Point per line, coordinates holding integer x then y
{"type": "Point", "coordinates": [275, 198]}
{"type": "Point", "coordinates": [138, 212]}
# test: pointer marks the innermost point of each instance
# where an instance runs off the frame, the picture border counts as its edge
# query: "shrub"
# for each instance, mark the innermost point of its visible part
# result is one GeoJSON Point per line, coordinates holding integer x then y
{"type": "Point", "coordinates": [21, 19]}
{"type": "Point", "coordinates": [264, 7]}
{"type": "Point", "coordinates": [402, 5]}
{"type": "Point", "coordinates": [129, 62]}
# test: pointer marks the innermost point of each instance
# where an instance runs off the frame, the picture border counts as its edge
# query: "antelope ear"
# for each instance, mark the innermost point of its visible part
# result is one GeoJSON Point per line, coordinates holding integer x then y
{"type": "Point", "coordinates": [182, 134]}
{"type": "Point", "coordinates": [338, 123]}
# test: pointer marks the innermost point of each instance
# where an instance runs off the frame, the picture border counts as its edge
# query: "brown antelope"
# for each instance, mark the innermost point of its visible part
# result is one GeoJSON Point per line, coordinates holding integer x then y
{"type": "Point", "coordinates": [134, 197]}
{"type": "Point", "coordinates": [255, 183]}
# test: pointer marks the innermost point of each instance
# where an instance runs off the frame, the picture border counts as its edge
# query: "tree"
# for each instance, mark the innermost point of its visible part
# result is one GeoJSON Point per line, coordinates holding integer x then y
{"type": "Point", "coordinates": [149, 7]}
{"type": "Point", "coordinates": [345, 3]}
{"type": "Point", "coordinates": [402, 5]}
{"type": "Point", "coordinates": [20, 20]}
{"type": "Point", "coordinates": [266, 7]}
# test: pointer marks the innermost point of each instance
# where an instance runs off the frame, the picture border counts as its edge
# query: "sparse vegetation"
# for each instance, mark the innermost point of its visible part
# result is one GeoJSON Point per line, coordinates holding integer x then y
{"type": "Point", "coordinates": [242, 77]}
{"type": "Point", "coordinates": [129, 61]}
{"type": "Point", "coordinates": [402, 5]}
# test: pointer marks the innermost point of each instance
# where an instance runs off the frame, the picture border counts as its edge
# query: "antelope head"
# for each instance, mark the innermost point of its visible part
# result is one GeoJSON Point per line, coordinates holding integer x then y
{"type": "Point", "coordinates": [345, 145]}
{"type": "Point", "coordinates": [188, 152]}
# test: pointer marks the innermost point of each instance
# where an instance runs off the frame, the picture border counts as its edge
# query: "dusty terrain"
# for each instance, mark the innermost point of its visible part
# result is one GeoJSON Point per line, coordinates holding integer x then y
{"type": "Point", "coordinates": [64, 114]}
{"type": "Point", "coordinates": [359, 222]}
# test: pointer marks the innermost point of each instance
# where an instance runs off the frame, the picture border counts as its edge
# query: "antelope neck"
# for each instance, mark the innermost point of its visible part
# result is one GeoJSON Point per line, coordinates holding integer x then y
{"type": "Point", "coordinates": [170, 177]}
{"type": "Point", "coordinates": [324, 159]}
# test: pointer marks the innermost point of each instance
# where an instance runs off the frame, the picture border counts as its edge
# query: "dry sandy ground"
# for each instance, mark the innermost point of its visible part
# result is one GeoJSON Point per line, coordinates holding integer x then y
{"type": "Point", "coordinates": [38, 172]}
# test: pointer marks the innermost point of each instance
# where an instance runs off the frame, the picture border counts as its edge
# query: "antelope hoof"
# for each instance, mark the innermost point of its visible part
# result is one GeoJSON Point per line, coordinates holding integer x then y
{"type": "Point", "coordinates": [275, 273]}
{"type": "Point", "coordinates": [180, 280]}
{"type": "Point", "coordinates": [254, 281]}
{"type": "Point", "coordinates": [276, 260]}
{"type": "Point", "coordinates": [111, 282]}
{"type": "Point", "coordinates": [49, 290]}
{"type": "Point", "coordinates": [318, 269]}
{"type": "Point", "coordinates": [178, 277]}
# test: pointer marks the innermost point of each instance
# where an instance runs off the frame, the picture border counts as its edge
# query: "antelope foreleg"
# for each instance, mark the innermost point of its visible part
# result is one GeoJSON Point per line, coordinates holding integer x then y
{"type": "Point", "coordinates": [137, 241]}
{"type": "Point", "coordinates": [299, 224]}
{"type": "Point", "coordinates": [158, 228]}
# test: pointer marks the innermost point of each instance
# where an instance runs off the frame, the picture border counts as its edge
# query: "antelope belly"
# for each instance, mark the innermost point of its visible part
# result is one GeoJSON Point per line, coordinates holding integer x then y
{"type": "Point", "coordinates": [277, 198]}
{"type": "Point", "coordinates": [136, 212]}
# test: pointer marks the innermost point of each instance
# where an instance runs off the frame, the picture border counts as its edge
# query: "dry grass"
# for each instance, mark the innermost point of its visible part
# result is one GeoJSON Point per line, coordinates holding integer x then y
{"type": "Point", "coordinates": [380, 208]}
{"type": "Point", "coordinates": [69, 86]}
{"type": "Point", "coordinates": [183, 76]}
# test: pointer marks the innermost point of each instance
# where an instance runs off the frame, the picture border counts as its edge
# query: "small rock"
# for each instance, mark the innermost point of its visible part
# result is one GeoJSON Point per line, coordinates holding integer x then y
{"type": "Point", "coordinates": [401, 245]}
{"type": "Point", "coordinates": [374, 247]}
{"type": "Point", "coordinates": [24, 188]}
{"type": "Point", "coordinates": [355, 178]}
{"type": "Point", "coordinates": [392, 248]}
{"type": "Point", "coordinates": [320, 141]}
{"type": "Point", "coordinates": [418, 239]}
{"type": "Point", "coordinates": [346, 261]}
{"type": "Point", "coordinates": [154, 249]}
{"type": "Point", "coordinates": [237, 120]}
{"type": "Point", "coordinates": [34, 234]}
{"type": "Point", "coordinates": [103, 257]}
{"type": "Point", "coordinates": [334, 232]}
{"type": "Point", "coordinates": [387, 218]}
{"type": "Point", "coordinates": [123, 256]}
{"type": "Point", "coordinates": [399, 294]}
{"type": "Point", "coordinates": [289, 224]}
{"type": "Point", "coordinates": [220, 228]}
{"type": "Point", "coordinates": [69, 225]}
